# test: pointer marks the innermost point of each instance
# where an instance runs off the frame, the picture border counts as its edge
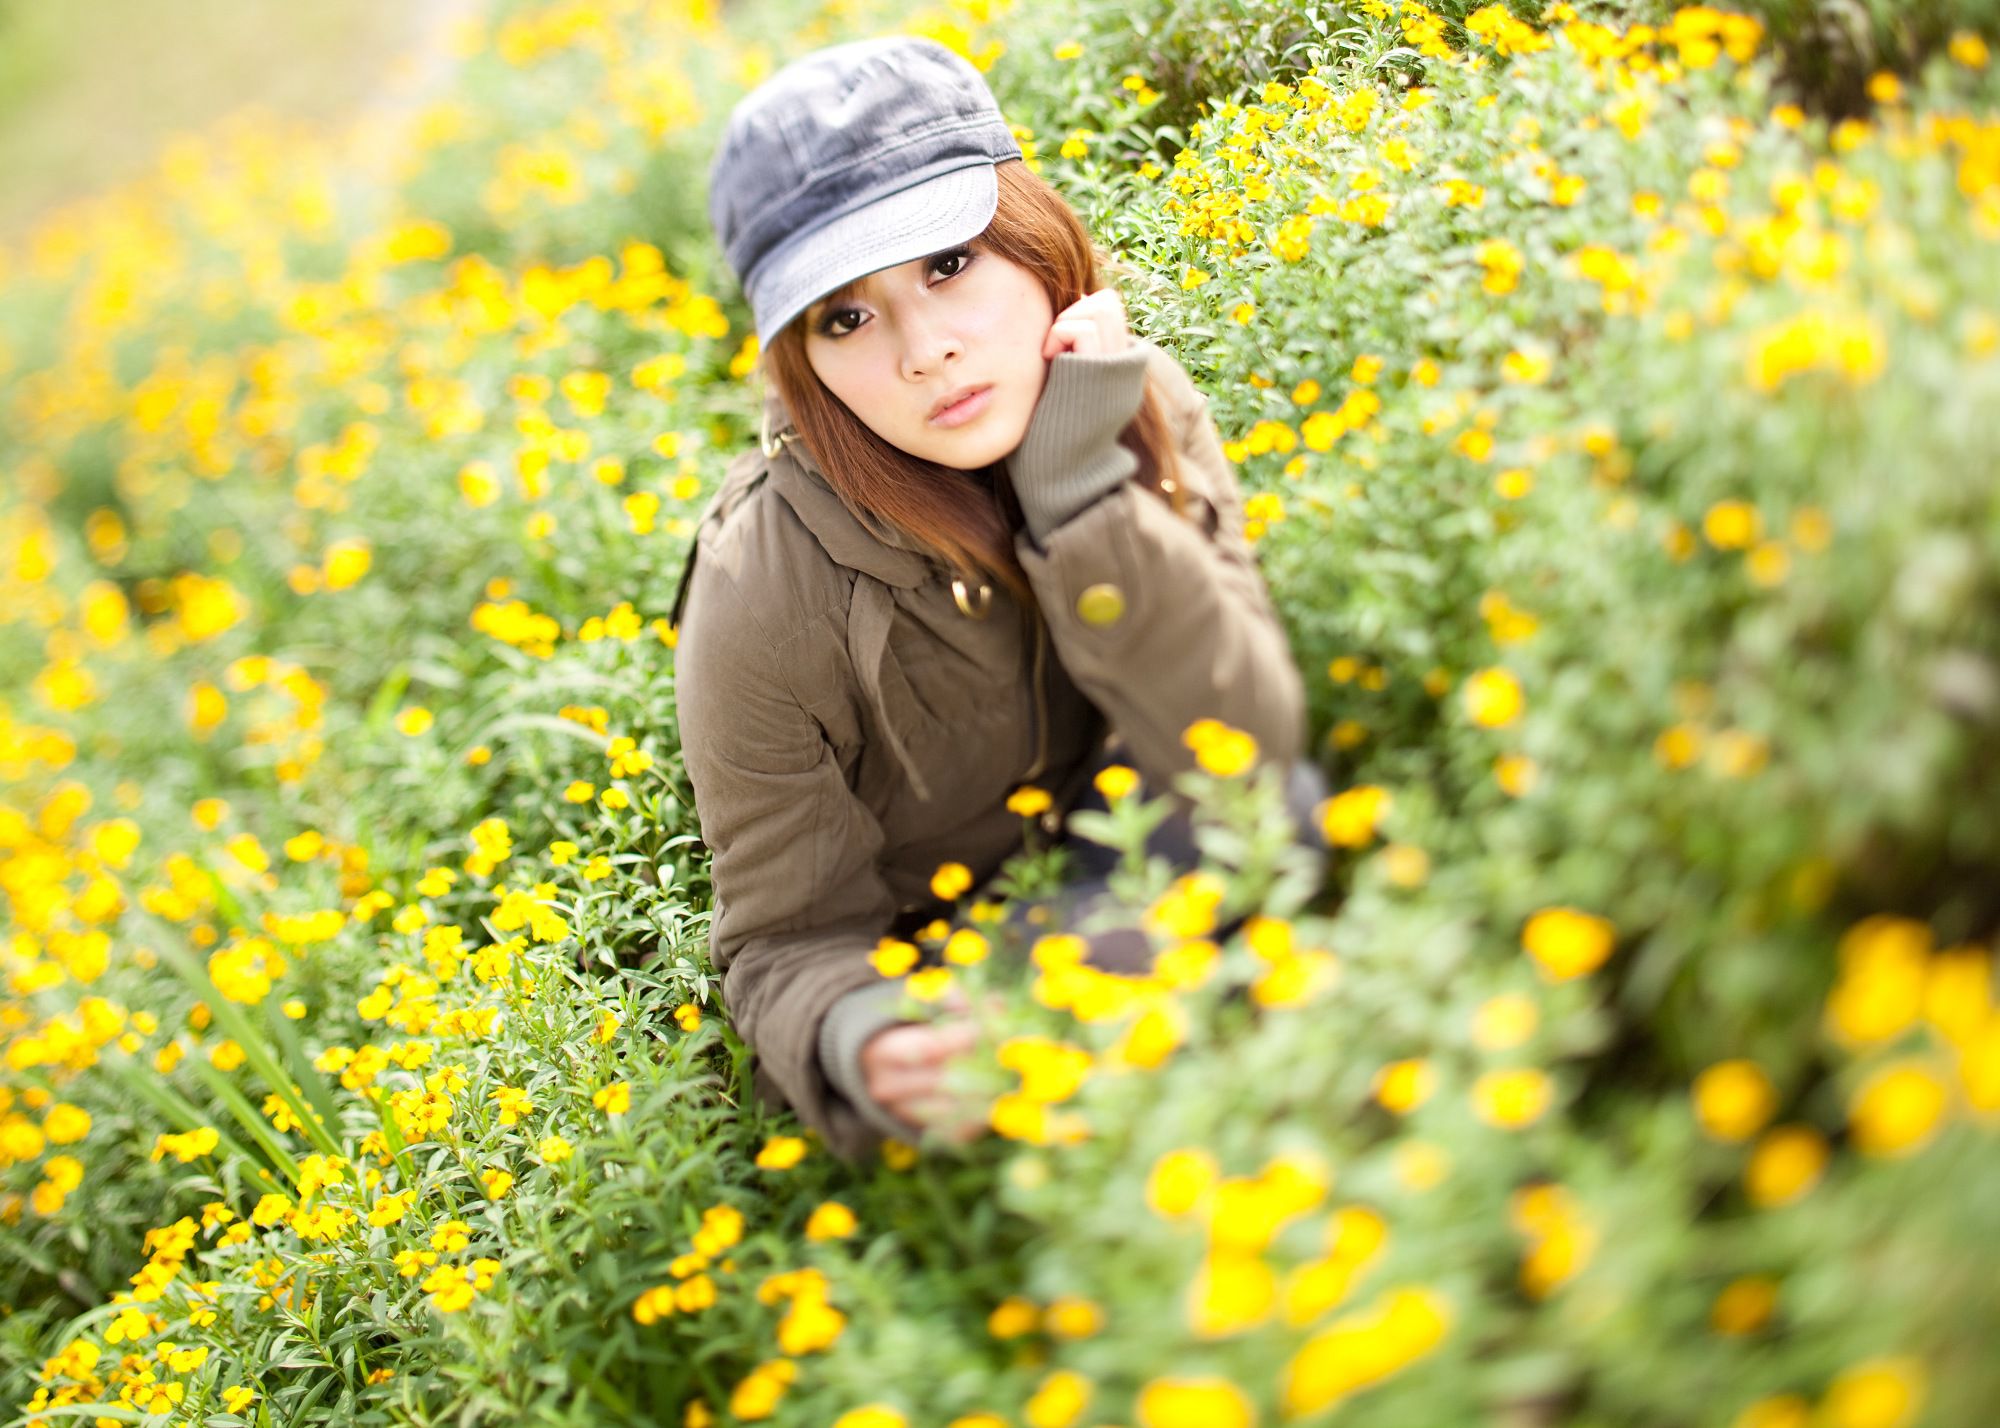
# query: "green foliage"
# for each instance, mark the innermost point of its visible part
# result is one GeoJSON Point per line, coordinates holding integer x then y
{"type": "Point", "coordinates": [1606, 424]}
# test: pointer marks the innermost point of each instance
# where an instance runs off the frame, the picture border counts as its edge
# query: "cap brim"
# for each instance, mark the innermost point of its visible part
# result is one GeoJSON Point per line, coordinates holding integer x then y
{"type": "Point", "coordinates": [910, 223]}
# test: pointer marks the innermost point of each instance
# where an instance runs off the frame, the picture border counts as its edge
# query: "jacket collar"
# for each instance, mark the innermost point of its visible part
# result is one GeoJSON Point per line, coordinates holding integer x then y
{"type": "Point", "coordinates": [852, 537]}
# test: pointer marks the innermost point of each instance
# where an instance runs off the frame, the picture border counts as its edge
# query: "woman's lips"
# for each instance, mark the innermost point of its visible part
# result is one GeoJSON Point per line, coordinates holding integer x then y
{"type": "Point", "coordinates": [964, 410]}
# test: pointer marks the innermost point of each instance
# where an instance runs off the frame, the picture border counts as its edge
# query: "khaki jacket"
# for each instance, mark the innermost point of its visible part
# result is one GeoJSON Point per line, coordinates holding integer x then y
{"type": "Point", "coordinates": [849, 721]}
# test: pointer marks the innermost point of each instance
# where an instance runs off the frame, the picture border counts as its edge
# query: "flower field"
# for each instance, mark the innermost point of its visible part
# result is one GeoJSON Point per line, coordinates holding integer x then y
{"type": "Point", "coordinates": [1612, 390]}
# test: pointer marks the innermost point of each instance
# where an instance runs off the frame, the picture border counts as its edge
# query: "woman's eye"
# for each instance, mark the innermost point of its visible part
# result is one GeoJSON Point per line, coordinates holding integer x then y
{"type": "Point", "coordinates": [830, 324]}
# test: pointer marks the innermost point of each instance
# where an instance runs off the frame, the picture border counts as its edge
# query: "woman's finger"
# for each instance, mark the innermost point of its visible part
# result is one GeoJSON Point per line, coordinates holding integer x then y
{"type": "Point", "coordinates": [909, 1046]}
{"type": "Point", "coordinates": [895, 1089]}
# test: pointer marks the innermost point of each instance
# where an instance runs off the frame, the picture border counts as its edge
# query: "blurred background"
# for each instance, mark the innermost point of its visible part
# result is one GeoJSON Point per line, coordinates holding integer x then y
{"type": "Point", "coordinates": [91, 91]}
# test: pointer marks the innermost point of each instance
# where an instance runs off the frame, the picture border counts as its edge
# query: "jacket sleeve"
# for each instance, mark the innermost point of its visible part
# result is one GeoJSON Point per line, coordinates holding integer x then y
{"type": "Point", "coordinates": [799, 900]}
{"type": "Point", "coordinates": [1159, 619]}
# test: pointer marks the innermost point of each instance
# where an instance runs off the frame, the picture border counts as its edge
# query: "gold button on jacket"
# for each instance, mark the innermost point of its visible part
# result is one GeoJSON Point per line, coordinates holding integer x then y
{"type": "Point", "coordinates": [1101, 605]}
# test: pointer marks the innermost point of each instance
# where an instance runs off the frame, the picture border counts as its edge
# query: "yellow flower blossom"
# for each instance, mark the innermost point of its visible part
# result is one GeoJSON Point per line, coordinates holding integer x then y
{"type": "Point", "coordinates": [1566, 942]}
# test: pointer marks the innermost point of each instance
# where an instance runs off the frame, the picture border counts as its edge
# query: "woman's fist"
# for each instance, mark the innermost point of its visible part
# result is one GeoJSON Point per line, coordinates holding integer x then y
{"type": "Point", "coordinates": [1092, 326]}
{"type": "Point", "coordinates": [904, 1070]}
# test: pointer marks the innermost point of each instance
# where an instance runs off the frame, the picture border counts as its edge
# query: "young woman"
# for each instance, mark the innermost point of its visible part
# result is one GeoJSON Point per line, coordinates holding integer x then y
{"type": "Point", "coordinates": [988, 542]}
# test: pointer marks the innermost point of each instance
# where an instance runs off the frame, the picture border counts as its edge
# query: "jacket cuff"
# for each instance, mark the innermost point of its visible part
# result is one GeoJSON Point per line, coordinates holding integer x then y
{"type": "Point", "coordinates": [1070, 454]}
{"type": "Point", "coordinates": [849, 1022]}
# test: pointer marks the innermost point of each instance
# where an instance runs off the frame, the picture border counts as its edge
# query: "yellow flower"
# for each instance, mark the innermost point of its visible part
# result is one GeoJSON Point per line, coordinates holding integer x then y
{"type": "Point", "coordinates": [1181, 1180]}
{"type": "Point", "coordinates": [756, 1396]}
{"type": "Point", "coordinates": [1517, 775]}
{"type": "Point", "coordinates": [1880, 1393]}
{"type": "Point", "coordinates": [554, 1150]}
{"type": "Point", "coordinates": [871, 1415]}
{"type": "Point", "coordinates": [1493, 698]}
{"type": "Point", "coordinates": [613, 1100]}
{"type": "Point", "coordinates": [781, 1152]}
{"type": "Point", "coordinates": [1474, 444]}
{"type": "Point", "coordinates": [687, 1016]}
{"type": "Point", "coordinates": [66, 1124]}
{"type": "Point", "coordinates": [1503, 263]}
{"type": "Point", "coordinates": [1363, 1348]}
{"type": "Point", "coordinates": [345, 563]}
{"type": "Point", "coordinates": [721, 1228]}
{"type": "Point", "coordinates": [1233, 1291]}
{"type": "Point", "coordinates": [1028, 801]}
{"type": "Point", "coordinates": [1220, 749]}
{"type": "Point", "coordinates": [1296, 979]}
{"type": "Point", "coordinates": [1058, 1401]}
{"type": "Point", "coordinates": [1567, 943]}
{"type": "Point", "coordinates": [965, 948]}
{"type": "Point", "coordinates": [1897, 1110]}
{"type": "Point", "coordinates": [1731, 525]}
{"type": "Point", "coordinates": [1013, 1317]}
{"type": "Point", "coordinates": [1885, 964]}
{"type": "Point", "coordinates": [1194, 1403]}
{"type": "Point", "coordinates": [1402, 1086]}
{"type": "Point", "coordinates": [1969, 49]}
{"type": "Point", "coordinates": [1512, 1098]}
{"type": "Point", "coordinates": [811, 1324]}
{"type": "Point", "coordinates": [654, 1305]}
{"type": "Point", "coordinates": [929, 985]}
{"type": "Point", "coordinates": [1187, 908]}
{"type": "Point", "coordinates": [1786, 1163]}
{"type": "Point", "coordinates": [1115, 781]}
{"type": "Point", "coordinates": [1050, 1071]}
{"type": "Point", "coordinates": [1351, 818]}
{"type": "Point", "coordinates": [951, 881]}
{"type": "Point", "coordinates": [830, 1220]}
{"type": "Point", "coordinates": [1071, 1317]}
{"type": "Point", "coordinates": [892, 957]}
{"type": "Point", "coordinates": [1734, 1099]}
{"type": "Point", "coordinates": [1744, 1306]}
{"type": "Point", "coordinates": [413, 720]}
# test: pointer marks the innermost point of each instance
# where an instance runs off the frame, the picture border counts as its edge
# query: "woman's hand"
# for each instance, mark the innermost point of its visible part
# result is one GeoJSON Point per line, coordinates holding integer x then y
{"type": "Point", "coordinates": [1092, 326]}
{"type": "Point", "coordinates": [904, 1069]}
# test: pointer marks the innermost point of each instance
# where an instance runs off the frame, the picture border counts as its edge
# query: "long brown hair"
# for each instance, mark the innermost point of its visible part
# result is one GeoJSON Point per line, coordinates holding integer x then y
{"type": "Point", "coordinates": [969, 526]}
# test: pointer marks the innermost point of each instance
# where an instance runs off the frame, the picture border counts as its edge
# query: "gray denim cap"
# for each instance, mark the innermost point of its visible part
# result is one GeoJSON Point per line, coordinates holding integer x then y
{"type": "Point", "coordinates": [850, 159]}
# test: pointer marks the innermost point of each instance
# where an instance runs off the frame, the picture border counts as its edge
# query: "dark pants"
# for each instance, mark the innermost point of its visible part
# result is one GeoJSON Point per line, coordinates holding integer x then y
{"type": "Point", "coordinates": [1127, 949]}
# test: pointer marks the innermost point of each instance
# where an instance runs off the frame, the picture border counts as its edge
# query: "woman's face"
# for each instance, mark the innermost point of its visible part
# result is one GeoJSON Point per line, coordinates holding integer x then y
{"type": "Point", "coordinates": [898, 343]}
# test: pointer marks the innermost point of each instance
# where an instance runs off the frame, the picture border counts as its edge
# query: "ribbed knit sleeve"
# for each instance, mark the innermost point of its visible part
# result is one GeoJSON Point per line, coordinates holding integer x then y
{"type": "Point", "coordinates": [849, 1023]}
{"type": "Point", "coordinates": [1070, 454]}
